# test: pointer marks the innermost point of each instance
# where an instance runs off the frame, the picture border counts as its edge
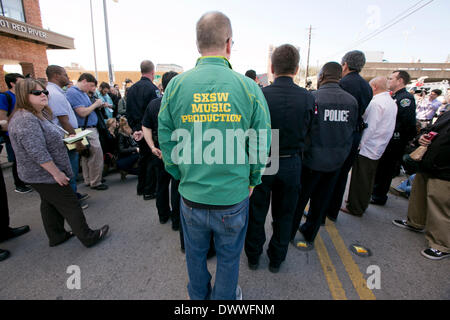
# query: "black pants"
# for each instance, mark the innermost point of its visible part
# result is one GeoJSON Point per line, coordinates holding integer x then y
{"type": "Point", "coordinates": [318, 187]}
{"type": "Point", "coordinates": [284, 187]}
{"type": "Point", "coordinates": [387, 169]}
{"type": "Point", "coordinates": [12, 158]}
{"type": "Point", "coordinates": [162, 195]}
{"type": "Point", "coordinates": [59, 204]}
{"type": "Point", "coordinates": [147, 171]}
{"type": "Point", "coordinates": [4, 210]}
{"type": "Point", "coordinates": [335, 202]}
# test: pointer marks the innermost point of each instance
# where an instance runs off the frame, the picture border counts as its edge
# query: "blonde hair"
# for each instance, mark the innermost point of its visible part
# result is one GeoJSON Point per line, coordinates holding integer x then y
{"type": "Point", "coordinates": [124, 127]}
{"type": "Point", "coordinates": [23, 90]}
{"type": "Point", "coordinates": [109, 122]}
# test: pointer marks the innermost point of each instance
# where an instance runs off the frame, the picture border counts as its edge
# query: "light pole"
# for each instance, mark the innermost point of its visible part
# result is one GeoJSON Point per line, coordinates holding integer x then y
{"type": "Point", "coordinates": [93, 42]}
{"type": "Point", "coordinates": [110, 70]}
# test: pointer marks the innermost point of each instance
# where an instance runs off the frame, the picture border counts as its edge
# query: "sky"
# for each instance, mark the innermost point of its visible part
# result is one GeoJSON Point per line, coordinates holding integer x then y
{"type": "Point", "coordinates": [164, 31]}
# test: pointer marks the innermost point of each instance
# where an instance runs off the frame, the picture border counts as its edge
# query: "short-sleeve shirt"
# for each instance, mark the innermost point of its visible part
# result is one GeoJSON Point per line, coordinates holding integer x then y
{"type": "Point", "coordinates": [60, 106]}
{"type": "Point", "coordinates": [79, 99]}
{"type": "Point", "coordinates": [4, 104]}
{"type": "Point", "coordinates": [150, 119]}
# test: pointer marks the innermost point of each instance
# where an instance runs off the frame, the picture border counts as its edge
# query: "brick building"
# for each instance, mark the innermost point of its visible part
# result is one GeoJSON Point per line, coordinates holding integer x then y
{"type": "Point", "coordinates": [23, 41]}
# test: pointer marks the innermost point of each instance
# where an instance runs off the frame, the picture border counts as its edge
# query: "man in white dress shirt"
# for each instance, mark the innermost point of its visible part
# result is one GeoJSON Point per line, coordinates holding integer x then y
{"type": "Point", "coordinates": [380, 117]}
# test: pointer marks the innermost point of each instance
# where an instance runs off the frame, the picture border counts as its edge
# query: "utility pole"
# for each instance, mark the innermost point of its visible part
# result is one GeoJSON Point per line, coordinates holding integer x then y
{"type": "Point", "coordinates": [93, 42]}
{"type": "Point", "coordinates": [307, 59]}
{"type": "Point", "coordinates": [110, 70]}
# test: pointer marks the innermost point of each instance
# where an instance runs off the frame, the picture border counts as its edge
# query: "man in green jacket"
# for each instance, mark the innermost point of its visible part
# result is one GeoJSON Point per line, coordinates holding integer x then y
{"type": "Point", "coordinates": [214, 134]}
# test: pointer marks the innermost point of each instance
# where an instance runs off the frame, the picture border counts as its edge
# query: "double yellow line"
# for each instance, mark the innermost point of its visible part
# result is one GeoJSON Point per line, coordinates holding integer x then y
{"type": "Point", "coordinates": [334, 284]}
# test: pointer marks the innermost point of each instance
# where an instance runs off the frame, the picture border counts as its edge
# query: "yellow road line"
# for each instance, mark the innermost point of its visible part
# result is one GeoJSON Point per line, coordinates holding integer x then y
{"type": "Point", "coordinates": [335, 285]}
{"type": "Point", "coordinates": [355, 275]}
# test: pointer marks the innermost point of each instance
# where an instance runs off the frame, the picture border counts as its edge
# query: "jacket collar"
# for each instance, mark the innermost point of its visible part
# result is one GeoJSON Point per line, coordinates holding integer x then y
{"type": "Point", "coordinates": [329, 85]}
{"type": "Point", "coordinates": [216, 60]}
{"type": "Point", "coordinates": [283, 80]}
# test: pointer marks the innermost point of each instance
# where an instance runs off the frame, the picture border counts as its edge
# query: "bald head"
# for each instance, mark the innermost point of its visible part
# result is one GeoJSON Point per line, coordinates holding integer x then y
{"type": "Point", "coordinates": [379, 85]}
{"type": "Point", "coordinates": [213, 32]}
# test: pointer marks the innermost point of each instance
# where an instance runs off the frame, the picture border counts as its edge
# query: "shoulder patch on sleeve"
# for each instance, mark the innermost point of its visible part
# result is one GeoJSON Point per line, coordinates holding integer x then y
{"type": "Point", "coordinates": [405, 103]}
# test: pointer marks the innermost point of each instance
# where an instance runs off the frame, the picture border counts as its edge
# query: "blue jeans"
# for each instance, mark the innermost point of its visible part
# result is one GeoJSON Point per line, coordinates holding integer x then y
{"type": "Point", "coordinates": [74, 163]}
{"type": "Point", "coordinates": [228, 227]}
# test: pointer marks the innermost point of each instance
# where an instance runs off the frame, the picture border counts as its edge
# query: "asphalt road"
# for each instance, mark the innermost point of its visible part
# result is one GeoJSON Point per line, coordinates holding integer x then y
{"type": "Point", "coordinates": [141, 259]}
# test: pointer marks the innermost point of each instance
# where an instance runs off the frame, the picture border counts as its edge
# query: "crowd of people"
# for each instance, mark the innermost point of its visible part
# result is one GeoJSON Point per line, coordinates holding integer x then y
{"type": "Point", "coordinates": [220, 207]}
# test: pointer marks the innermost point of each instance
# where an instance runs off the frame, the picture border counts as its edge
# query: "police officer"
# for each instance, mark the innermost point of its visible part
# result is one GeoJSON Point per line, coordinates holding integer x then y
{"type": "Point", "coordinates": [291, 109]}
{"type": "Point", "coordinates": [405, 131]}
{"type": "Point", "coordinates": [328, 144]}
{"type": "Point", "coordinates": [138, 98]}
{"type": "Point", "coordinates": [352, 82]}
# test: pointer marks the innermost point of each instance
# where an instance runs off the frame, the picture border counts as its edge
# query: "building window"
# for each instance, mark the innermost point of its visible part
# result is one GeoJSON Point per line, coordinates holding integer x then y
{"type": "Point", "coordinates": [12, 9]}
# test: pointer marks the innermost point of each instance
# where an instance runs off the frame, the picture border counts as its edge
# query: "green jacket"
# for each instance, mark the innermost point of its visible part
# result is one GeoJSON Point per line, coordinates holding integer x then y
{"type": "Point", "coordinates": [208, 106]}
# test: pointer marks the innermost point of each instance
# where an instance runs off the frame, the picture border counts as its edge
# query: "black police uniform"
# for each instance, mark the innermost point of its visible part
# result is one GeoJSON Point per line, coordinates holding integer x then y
{"type": "Point", "coordinates": [328, 145]}
{"type": "Point", "coordinates": [405, 131]}
{"type": "Point", "coordinates": [138, 97]}
{"type": "Point", "coordinates": [291, 109]}
{"type": "Point", "coordinates": [354, 84]}
{"type": "Point", "coordinates": [150, 121]}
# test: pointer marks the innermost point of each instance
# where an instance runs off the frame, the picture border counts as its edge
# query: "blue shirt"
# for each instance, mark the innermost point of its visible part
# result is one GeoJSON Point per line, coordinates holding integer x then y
{"type": "Point", "coordinates": [79, 99]}
{"type": "Point", "coordinates": [106, 98]}
{"type": "Point", "coordinates": [57, 101]}
{"type": "Point", "coordinates": [4, 105]}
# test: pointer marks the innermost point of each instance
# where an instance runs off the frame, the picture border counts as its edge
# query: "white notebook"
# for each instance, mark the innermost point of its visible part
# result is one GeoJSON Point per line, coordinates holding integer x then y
{"type": "Point", "coordinates": [80, 135]}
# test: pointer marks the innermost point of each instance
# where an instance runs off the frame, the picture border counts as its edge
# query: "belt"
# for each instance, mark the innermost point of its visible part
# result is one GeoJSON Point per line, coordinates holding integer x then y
{"type": "Point", "coordinates": [425, 120]}
{"type": "Point", "coordinates": [288, 155]}
{"type": "Point", "coordinates": [91, 127]}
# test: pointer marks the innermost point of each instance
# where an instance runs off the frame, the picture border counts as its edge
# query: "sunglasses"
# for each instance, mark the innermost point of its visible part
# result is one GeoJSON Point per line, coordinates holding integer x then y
{"type": "Point", "coordinates": [39, 92]}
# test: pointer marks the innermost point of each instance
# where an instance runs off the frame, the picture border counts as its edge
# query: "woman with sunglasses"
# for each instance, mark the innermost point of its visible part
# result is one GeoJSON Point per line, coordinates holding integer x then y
{"type": "Point", "coordinates": [43, 162]}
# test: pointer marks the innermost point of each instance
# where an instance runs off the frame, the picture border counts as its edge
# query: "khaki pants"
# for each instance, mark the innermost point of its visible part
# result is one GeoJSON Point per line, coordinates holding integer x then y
{"type": "Point", "coordinates": [361, 184]}
{"type": "Point", "coordinates": [93, 166]}
{"type": "Point", "coordinates": [429, 208]}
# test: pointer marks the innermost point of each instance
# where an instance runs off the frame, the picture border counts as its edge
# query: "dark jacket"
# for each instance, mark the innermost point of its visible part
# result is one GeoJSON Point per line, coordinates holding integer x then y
{"type": "Point", "coordinates": [291, 109]}
{"type": "Point", "coordinates": [329, 141]}
{"type": "Point", "coordinates": [127, 145]}
{"type": "Point", "coordinates": [436, 160]}
{"type": "Point", "coordinates": [405, 124]}
{"type": "Point", "coordinates": [354, 84]}
{"type": "Point", "coordinates": [138, 98]}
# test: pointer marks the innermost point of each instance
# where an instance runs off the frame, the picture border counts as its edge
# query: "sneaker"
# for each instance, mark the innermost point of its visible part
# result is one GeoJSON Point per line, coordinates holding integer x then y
{"type": "Point", "coordinates": [238, 293]}
{"type": "Point", "coordinates": [83, 204]}
{"type": "Point", "coordinates": [23, 190]}
{"type": "Point", "coordinates": [404, 224]}
{"type": "Point", "coordinates": [82, 197]}
{"type": "Point", "coordinates": [398, 192]}
{"type": "Point", "coordinates": [4, 254]}
{"type": "Point", "coordinates": [435, 254]}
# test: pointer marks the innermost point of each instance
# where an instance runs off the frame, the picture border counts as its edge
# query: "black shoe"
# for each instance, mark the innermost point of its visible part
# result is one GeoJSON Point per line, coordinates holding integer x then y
{"type": "Point", "coordinates": [100, 187]}
{"type": "Point", "coordinates": [149, 196]}
{"type": "Point", "coordinates": [183, 250]}
{"type": "Point", "coordinates": [67, 237]}
{"type": "Point", "coordinates": [377, 202]}
{"type": "Point", "coordinates": [102, 234]}
{"type": "Point", "coordinates": [274, 268]}
{"type": "Point", "coordinates": [14, 232]}
{"type": "Point", "coordinates": [175, 227]}
{"type": "Point", "coordinates": [162, 220]}
{"type": "Point", "coordinates": [103, 180]}
{"type": "Point", "coordinates": [252, 265]}
{"type": "Point", "coordinates": [23, 189]}
{"type": "Point", "coordinates": [83, 204]}
{"type": "Point", "coordinates": [4, 254]}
